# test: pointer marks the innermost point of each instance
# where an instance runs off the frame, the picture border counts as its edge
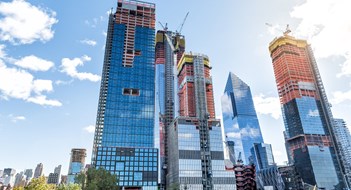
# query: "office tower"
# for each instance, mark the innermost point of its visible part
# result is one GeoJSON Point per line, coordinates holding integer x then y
{"type": "Point", "coordinates": [239, 117]}
{"type": "Point", "coordinates": [195, 145]}
{"type": "Point", "coordinates": [1, 173]}
{"type": "Point", "coordinates": [76, 164]}
{"type": "Point", "coordinates": [262, 155]}
{"type": "Point", "coordinates": [166, 87]}
{"type": "Point", "coordinates": [20, 180]}
{"type": "Point", "coordinates": [306, 113]}
{"type": "Point", "coordinates": [124, 134]}
{"type": "Point", "coordinates": [9, 172]}
{"type": "Point", "coordinates": [28, 173]}
{"type": "Point", "coordinates": [38, 170]}
{"type": "Point", "coordinates": [343, 138]}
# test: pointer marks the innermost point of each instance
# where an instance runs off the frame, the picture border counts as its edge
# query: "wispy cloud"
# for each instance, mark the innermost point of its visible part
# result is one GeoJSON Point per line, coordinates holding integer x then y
{"type": "Point", "coordinates": [88, 42]}
{"type": "Point", "coordinates": [89, 129]}
{"type": "Point", "coordinates": [69, 66]}
{"type": "Point", "coordinates": [15, 118]}
{"type": "Point", "coordinates": [267, 105]}
{"type": "Point", "coordinates": [327, 25]}
{"type": "Point", "coordinates": [34, 63]}
{"type": "Point", "coordinates": [339, 97]}
{"type": "Point", "coordinates": [24, 23]}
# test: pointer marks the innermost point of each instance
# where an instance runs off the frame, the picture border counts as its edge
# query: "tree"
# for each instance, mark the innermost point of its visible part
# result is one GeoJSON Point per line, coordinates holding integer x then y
{"type": "Point", "coordinates": [97, 179]}
{"type": "Point", "coordinates": [68, 187]}
{"type": "Point", "coordinates": [39, 184]}
{"type": "Point", "coordinates": [18, 188]}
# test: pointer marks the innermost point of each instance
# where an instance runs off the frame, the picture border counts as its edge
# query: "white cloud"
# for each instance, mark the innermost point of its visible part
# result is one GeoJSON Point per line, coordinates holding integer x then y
{"type": "Point", "coordinates": [16, 118]}
{"type": "Point", "coordinates": [69, 66]}
{"type": "Point", "coordinates": [2, 52]}
{"type": "Point", "coordinates": [34, 63]}
{"type": "Point", "coordinates": [327, 26]}
{"type": "Point", "coordinates": [267, 105]}
{"type": "Point", "coordinates": [88, 42]}
{"type": "Point", "coordinates": [24, 23]}
{"type": "Point", "coordinates": [90, 129]}
{"type": "Point", "coordinates": [233, 135]}
{"type": "Point", "coordinates": [61, 82]}
{"type": "Point", "coordinates": [340, 96]}
{"type": "Point", "coordinates": [42, 100]}
{"type": "Point", "coordinates": [19, 84]}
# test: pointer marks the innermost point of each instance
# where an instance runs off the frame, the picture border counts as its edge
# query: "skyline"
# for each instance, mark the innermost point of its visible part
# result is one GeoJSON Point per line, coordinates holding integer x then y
{"type": "Point", "coordinates": [241, 46]}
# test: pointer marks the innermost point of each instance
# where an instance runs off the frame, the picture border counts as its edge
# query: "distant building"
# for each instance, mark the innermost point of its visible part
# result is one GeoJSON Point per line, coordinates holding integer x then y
{"type": "Point", "coordinates": [9, 172]}
{"type": "Point", "coordinates": [1, 173]}
{"type": "Point", "coordinates": [54, 178]}
{"type": "Point", "coordinates": [64, 179]}
{"type": "Point", "coordinates": [38, 170]}
{"type": "Point", "coordinates": [291, 178]}
{"type": "Point", "coordinates": [240, 120]}
{"type": "Point", "coordinates": [343, 139]}
{"type": "Point", "coordinates": [20, 180]}
{"type": "Point", "coordinates": [29, 174]}
{"type": "Point", "coordinates": [76, 164]}
{"type": "Point", "coordinates": [262, 155]}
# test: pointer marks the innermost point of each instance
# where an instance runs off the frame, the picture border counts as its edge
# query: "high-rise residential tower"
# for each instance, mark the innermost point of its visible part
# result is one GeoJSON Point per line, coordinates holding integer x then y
{"type": "Point", "coordinates": [38, 170]}
{"type": "Point", "coordinates": [343, 138]}
{"type": "Point", "coordinates": [307, 116]}
{"type": "Point", "coordinates": [54, 178]}
{"type": "Point", "coordinates": [239, 117]}
{"type": "Point", "coordinates": [167, 55]}
{"type": "Point", "coordinates": [195, 145]}
{"type": "Point", "coordinates": [124, 134]}
{"type": "Point", "coordinates": [76, 164]}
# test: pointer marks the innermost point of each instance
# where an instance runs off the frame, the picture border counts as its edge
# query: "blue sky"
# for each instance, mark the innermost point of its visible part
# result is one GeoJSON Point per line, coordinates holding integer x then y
{"type": "Point", "coordinates": [51, 55]}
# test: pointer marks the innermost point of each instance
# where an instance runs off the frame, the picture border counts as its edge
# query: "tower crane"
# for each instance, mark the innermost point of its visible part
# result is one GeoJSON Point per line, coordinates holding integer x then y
{"type": "Point", "coordinates": [286, 32]}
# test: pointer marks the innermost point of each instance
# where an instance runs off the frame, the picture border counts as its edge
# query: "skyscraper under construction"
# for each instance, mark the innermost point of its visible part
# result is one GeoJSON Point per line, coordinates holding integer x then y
{"type": "Point", "coordinates": [167, 54]}
{"type": "Point", "coordinates": [195, 145]}
{"type": "Point", "coordinates": [307, 116]}
{"type": "Point", "coordinates": [124, 135]}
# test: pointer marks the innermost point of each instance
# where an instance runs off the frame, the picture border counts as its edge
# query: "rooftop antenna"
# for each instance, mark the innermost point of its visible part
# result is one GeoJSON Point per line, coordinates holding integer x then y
{"type": "Point", "coordinates": [111, 12]}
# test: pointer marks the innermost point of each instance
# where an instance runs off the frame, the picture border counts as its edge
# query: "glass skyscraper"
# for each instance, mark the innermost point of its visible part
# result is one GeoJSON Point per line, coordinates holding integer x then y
{"type": "Point", "coordinates": [76, 164]}
{"type": "Point", "coordinates": [239, 117]}
{"type": "Point", "coordinates": [308, 119]}
{"type": "Point", "coordinates": [124, 134]}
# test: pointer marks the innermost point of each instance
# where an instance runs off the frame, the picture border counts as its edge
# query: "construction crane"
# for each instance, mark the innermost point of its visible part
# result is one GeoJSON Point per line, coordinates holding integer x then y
{"type": "Point", "coordinates": [286, 32]}
{"type": "Point", "coordinates": [181, 26]}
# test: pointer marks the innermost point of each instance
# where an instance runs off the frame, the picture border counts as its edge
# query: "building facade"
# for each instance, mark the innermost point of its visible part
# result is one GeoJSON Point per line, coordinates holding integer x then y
{"type": "Point", "coordinates": [167, 106]}
{"type": "Point", "coordinates": [38, 170]}
{"type": "Point", "coordinates": [195, 145]}
{"type": "Point", "coordinates": [76, 164]}
{"type": "Point", "coordinates": [124, 135]}
{"type": "Point", "coordinates": [54, 178]}
{"type": "Point", "coordinates": [239, 117]}
{"type": "Point", "coordinates": [262, 155]}
{"type": "Point", "coordinates": [306, 112]}
{"type": "Point", "coordinates": [343, 139]}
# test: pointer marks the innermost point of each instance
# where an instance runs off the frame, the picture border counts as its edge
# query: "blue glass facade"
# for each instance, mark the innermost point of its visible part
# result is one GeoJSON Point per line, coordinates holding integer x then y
{"type": "Point", "coordinates": [262, 155]}
{"type": "Point", "coordinates": [239, 117]}
{"type": "Point", "coordinates": [124, 141]}
{"type": "Point", "coordinates": [308, 143]}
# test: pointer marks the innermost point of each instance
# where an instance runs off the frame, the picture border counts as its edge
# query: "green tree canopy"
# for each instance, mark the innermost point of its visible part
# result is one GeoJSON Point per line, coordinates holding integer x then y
{"type": "Point", "coordinates": [40, 184]}
{"type": "Point", "coordinates": [97, 179]}
{"type": "Point", "coordinates": [68, 187]}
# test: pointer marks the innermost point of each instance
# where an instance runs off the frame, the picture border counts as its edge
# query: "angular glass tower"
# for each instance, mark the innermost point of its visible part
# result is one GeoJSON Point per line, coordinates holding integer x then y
{"type": "Point", "coordinates": [308, 119]}
{"type": "Point", "coordinates": [124, 134]}
{"type": "Point", "coordinates": [239, 117]}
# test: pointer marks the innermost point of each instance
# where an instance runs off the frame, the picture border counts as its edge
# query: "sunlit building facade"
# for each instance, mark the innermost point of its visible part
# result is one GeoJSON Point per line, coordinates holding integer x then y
{"type": "Point", "coordinates": [195, 143]}
{"type": "Point", "coordinates": [76, 164]}
{"type": "Point", "coordinates": [239, 117]}
{"type": "Point", "coordinates": [308, 119]}
{"type": "Point", "coordinates": [124, 134]}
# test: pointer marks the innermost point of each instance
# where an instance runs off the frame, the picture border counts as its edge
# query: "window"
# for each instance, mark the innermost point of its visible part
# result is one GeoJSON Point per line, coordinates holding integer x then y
{"type": "Point", "coordinates": [131, 92]}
